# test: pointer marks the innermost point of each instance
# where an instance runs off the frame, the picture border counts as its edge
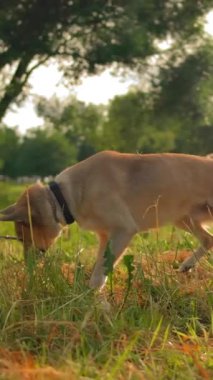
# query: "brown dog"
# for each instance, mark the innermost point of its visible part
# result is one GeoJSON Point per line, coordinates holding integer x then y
{"type": "Point", "coordinates": [117, 195]}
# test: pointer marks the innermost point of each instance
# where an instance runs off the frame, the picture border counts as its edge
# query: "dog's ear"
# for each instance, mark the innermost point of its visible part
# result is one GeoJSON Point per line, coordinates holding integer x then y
{"type": "Point", "coordinates": [13, 213]}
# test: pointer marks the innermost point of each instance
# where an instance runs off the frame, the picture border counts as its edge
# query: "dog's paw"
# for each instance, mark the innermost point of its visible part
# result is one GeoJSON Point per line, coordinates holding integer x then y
{"type": "Point", "coordinates": [186, 266]}
{"type": "Point", "coordinates": [102, 303]}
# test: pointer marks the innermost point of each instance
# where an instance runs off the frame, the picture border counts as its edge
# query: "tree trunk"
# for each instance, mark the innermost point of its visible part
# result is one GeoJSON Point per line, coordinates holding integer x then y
{"type": "Point", "coordinates": [16, 84]}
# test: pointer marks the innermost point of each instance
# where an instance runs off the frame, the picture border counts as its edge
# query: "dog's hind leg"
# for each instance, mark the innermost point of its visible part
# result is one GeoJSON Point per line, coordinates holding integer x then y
{"type": "Point", "coordinates": [119, 241]}
{"type": "Point", "coordinates": [194, 227]}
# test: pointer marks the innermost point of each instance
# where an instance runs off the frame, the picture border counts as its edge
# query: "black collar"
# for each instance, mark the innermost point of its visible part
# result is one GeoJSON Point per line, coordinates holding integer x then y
{"type": "Point", "coordinates": [54, 187]}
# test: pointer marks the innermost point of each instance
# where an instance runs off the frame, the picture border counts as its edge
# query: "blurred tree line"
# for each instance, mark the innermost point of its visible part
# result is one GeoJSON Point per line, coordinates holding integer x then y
{"type": "Point", "coordinates": [175, 114]}
{"type": "Point", "coordinates": [170, 109]}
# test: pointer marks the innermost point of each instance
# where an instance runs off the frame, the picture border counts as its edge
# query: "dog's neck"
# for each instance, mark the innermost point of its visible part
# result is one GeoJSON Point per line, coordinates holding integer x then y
{"type": "Point", "coordinates": [61, 210]}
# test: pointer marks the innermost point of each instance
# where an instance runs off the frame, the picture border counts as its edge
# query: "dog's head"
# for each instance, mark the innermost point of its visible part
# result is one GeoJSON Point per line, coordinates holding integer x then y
{"type": "Point", "coordinates": [34, 218]}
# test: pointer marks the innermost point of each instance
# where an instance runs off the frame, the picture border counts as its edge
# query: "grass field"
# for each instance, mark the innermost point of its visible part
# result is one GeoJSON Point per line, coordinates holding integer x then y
{"type": "Point", "coordinates": [52, 326]}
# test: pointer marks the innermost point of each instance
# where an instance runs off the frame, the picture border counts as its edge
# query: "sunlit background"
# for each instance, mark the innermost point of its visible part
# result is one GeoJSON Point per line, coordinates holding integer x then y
{"type": "Point", "coordinates": [47, 81]}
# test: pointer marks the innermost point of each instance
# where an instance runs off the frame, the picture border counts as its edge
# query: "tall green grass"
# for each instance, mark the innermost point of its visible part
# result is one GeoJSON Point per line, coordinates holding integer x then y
{"type": "Point", "coordinates": [150, 322]}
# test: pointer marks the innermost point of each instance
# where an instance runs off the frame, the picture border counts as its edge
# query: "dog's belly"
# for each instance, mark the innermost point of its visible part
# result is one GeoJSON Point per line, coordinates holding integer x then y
{"type": "Point", "coordinates": [159, 213]}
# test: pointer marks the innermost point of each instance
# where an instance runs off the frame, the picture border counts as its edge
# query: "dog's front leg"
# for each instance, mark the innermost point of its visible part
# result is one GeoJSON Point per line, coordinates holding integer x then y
{"type": "Point", "coordinates": [98, 278]}
{"type": "Point", "coordinates": [119, 240]}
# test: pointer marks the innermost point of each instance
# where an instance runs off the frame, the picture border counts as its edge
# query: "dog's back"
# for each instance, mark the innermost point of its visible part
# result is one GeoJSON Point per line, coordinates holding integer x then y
{"type": "Point", "coordinates": [157, 188]}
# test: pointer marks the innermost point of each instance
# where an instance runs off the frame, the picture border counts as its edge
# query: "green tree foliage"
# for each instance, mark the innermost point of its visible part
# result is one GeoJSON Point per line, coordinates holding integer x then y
{"type": "Point", "coordinates": [79, 123]}
{"type": "Point", "coordinates": [184, 102]}
{"type": "Point", "coordinates": [37, 153]}
{"type": "Point", "coordinates": [9, 146]}
{"type": "Point", "coordinates": [71, 132]}
{"type": "Point", "coordinates": [43, 154]}
{"type": "Point", "coordinates": [174, 115]}
{"type": "Point", "coordinates": [129, 126]}
{"type": "Point", "coordinates": [85, 35]}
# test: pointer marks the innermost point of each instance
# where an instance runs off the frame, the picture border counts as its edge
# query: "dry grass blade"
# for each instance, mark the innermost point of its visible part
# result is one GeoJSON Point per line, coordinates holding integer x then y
{"type": "Point", "coordinates": [8, 237]}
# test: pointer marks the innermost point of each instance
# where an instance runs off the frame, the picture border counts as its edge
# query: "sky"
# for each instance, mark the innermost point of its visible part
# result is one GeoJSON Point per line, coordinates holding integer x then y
{"type": "Point", "coordinates": [46, 81]}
